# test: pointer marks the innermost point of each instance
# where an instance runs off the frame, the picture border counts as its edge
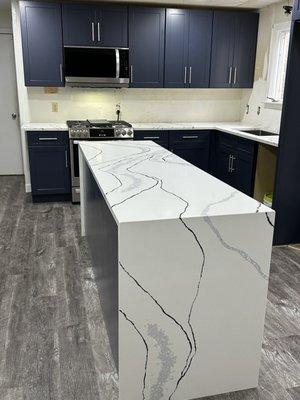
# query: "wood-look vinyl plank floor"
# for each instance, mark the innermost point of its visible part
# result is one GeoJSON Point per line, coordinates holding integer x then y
{"type": "Point", "coordinates": [53, 343]}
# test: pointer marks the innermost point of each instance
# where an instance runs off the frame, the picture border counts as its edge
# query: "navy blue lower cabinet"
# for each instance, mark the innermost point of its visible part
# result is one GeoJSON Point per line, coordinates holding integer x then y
{"type": "Point", "coordinates": [49, 165]}
{"type": "Point", "coordinates": [236, 162]}
{"type": "Point", "coordinates": [159, 137]}
{"type": "Point", "coordinates": [192, 146]}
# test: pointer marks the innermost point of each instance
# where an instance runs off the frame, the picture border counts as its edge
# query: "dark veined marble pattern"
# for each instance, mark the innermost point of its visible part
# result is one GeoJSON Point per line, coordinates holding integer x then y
{"type": "Point", "coordinates": [53, 343]}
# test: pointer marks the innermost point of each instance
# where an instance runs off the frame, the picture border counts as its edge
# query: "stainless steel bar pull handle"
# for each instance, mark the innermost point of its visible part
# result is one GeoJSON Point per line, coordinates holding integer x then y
{"type": "Point", "coordinates": [151, 137]}
{"type": "Point", "coordinates": [230, 75]}
{"type": "Point", "coordinates": [131, 73]}
{"type": "Point", "coordinates": [185, 72]}
{"type": "Point", "coordinates": [190, 78]}
{"type": "Point", "coordinates": [48, 138]}
{"type": "Point", "coordinates": [190, 137]}
{"type": "Point", "coordinates": [229, 163]}
{"type": "Point", "coordinates": [98, 31]}
{"type": "Point", "coordinates": [232, 160]}
{"type": "Point", "coordinates": [93, 32]}
{"type": "Point", "coordinates": [66, 158]}
{"type": "Point", "coordinates": [61, 72]}
{"type": "Point", "coordinates": [235, 74]}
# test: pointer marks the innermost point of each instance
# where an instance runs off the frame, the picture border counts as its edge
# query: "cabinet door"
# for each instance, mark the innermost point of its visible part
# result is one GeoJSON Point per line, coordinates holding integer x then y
{"type": "Point", "coordinates": [200, 37]}
{"type": "Point", "coordinates": [176, 58]}
{"type": "Point", "coordinates": [192, 146]}
{"type": "Point", "coordinates": [296, 10]}
{"type": "Point", "coordinates": [79, 24]}
{"type": "Point", "coordinates": [222, 49]}
{"type": "Point", "coordinates": [49, 170]}
{"type": "Point", "coordinates": [159, 137]}
{"type": "Point", "coordinates": [223, 164]}
{"type": "Point", "coordinates": [42, 43]}
{"type": "Point", "coordinates": [243, 165]}
{"type": "Point", "coordinates": [146, 44]}
{"type": "Point", "coordinates": [245, 50]}
{"type": "Point", "coordinates": [112, 26]}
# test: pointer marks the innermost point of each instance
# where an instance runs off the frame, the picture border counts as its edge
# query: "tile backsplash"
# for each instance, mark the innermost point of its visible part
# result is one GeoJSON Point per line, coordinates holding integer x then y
{"type": "Point", "coordinates": [137, 105]}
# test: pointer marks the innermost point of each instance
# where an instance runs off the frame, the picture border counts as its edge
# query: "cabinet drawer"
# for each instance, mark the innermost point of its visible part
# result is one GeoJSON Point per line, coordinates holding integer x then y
{"type": "Point", "coordinates": [44, 138]}
{"type": "Point", "coordinates": [151, 135]}
{"type": "Point", "coordinates": [236, 143]}
{"type": "Point", "coordinates": [227, 140]}
{"type": "Point", "coordinates": [246, 145]}
{"type": "Point", "coordinates": [159, 137]}
{"type": "Point", "coordinates": [188, 136]}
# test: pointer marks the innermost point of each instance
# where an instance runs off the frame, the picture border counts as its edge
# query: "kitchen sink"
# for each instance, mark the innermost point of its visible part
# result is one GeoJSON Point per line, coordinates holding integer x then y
{"type": "Point", "coordinates": [258, 132]}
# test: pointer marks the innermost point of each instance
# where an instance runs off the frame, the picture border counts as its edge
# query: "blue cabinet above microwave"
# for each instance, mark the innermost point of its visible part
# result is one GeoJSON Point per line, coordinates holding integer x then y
{"type": "Point", "coordinates": [103, 25]}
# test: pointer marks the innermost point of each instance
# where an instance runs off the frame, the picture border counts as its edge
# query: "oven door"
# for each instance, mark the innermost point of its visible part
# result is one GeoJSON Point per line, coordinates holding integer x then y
{"type": "Point", "coordinates": [74, 158]}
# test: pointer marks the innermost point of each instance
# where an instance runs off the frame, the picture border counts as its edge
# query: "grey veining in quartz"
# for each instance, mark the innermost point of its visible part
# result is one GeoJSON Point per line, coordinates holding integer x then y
{"type": "Point", "coordinates": [52, 338]}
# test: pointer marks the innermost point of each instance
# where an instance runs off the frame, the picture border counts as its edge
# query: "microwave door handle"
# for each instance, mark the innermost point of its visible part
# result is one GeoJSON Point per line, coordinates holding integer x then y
{"type": "Point", "coordinates": [93, 32]}
{"type": "Point", "coordinates": [117, 63]}
{"type": "Point", "coordinates": [98, 31]}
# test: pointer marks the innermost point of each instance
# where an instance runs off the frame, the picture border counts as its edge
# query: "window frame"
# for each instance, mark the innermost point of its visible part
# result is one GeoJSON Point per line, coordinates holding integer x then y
{"type": "Point", "coordinates": [277, 31]}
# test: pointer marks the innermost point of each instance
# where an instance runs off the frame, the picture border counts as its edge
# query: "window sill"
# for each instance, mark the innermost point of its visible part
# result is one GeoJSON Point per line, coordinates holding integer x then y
{"type": "Point", "coordinates": [273, 105]}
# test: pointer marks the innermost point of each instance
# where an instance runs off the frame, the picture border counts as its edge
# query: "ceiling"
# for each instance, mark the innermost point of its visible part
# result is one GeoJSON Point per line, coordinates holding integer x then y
{"type": "Point", "coordinates": [209, 3]}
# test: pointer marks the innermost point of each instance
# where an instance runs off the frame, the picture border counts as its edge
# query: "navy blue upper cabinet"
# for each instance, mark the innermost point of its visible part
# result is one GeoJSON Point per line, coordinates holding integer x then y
{"type": "Point", "coordinates": [146, 46]}
{"type": "Point", "coordinates": [245, 50]}
{"type": "Point", "coordinates": [200, 37]}
{"type": "Point", "coordinates": [188, 48]}
{"type": "Point", "coordinates": [222, 49]}
{"type": "Point", "coordinates": [113, 26]}
{"type": "Point", "coordinates": [95, 25]}
{"type": "Point", "coordinates": [233, 49]}
{"type": "Point", "coordinates": [79, 24]}
{"type": "Point", "coordinates": [176, 57]}
{"type": "Point", "coordinates": [42, 43]}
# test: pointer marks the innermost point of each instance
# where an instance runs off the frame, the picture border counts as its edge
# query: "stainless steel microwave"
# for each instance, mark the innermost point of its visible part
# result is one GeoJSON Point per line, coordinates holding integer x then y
{"type": "Point", "coordinates": [96, 66]}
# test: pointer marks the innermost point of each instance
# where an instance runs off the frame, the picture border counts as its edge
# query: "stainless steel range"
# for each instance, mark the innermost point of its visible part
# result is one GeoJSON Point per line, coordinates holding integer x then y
{"type": "Point", "coordinates": [93, 130]}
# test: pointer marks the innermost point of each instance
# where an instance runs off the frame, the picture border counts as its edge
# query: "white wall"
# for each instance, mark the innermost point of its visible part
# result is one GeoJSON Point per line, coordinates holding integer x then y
{"type": "Point", "coordinates": [137, 105]}
{"type": "Point", "coordinates": [269, 118]}
{"type": "Point", "coordinates": [5, 19]}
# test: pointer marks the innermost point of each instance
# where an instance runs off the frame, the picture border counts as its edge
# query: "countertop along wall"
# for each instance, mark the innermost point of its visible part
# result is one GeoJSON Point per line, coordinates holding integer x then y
{"type": "Point", "coordinates": [269, 119]}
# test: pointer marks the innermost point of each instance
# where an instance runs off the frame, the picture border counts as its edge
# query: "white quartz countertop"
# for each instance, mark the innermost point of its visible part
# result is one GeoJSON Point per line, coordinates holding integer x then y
{"type": "Point", "coordinates": [41, 126]}
{"type": "Point", "coordinates": [232, 128]}
{"type": "Point", "coordinates": [141, 181]}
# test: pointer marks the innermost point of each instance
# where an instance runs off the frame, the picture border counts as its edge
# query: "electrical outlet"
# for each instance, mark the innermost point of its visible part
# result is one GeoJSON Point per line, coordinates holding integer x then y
{"type": "Point", "coordinates": [54, 106]}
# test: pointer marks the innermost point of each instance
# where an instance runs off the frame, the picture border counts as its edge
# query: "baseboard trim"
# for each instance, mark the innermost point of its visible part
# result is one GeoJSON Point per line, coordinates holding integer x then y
{"type": "Point", "coordinates": [28, 187]}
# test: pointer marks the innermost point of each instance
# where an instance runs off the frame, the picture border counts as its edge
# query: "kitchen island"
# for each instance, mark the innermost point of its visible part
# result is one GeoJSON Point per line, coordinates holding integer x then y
{"type": "Point", "coordinates": [182, 264]}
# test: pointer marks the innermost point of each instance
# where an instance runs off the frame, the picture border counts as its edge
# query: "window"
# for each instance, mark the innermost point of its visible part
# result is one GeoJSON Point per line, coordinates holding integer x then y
{"type": "Point", "coordinates": [278, 60]}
